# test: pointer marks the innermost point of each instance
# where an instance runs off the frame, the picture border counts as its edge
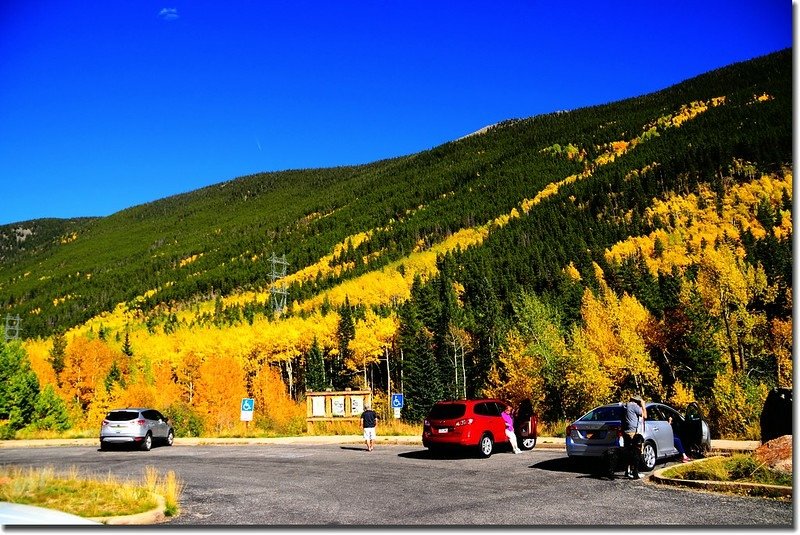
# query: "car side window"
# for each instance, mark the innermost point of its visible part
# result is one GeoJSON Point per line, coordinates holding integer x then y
{"type": "Point", "coordinates": [496, 409]}
{"type": "Point", "coordinates": [655, 414]}
{"type": "Point", "coordinates": [669, 413]}
{"type": "Point", "coordinates": [150, 415]}
{"type": "Point", "coordinates": [693, 412]}
{"type": "Point", "coordinates": [159, 416]}
{"type": "Point", "coordinates": [481, 409]}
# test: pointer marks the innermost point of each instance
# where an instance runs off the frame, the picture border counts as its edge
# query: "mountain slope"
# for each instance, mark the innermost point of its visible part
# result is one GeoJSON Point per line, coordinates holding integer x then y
{"type": "Point", "coordinates": [216, 240]}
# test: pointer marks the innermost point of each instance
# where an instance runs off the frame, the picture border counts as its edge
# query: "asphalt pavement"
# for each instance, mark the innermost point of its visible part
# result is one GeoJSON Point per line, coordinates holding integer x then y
{"type": "Point", "coordinates": [415, 440]}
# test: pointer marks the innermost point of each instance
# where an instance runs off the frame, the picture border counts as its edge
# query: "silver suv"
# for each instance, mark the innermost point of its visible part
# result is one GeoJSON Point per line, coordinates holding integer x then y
{"type": "Point", "coordinates": [137, 426]}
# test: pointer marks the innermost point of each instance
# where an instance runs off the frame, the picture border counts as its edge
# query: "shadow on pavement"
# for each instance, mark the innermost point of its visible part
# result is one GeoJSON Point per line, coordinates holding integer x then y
{"type": "Point", "coordinates": [581, 467]}
{"type": "Point", "coordinates": [354, 448]}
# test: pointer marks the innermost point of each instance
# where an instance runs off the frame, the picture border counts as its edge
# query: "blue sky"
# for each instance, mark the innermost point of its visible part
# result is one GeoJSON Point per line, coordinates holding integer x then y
{"type": "Point", "coordinates": [109, 104]}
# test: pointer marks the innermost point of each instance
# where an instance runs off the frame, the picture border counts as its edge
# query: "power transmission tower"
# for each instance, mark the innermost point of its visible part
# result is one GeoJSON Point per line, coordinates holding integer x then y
{"type": "Point", "coordinates": [12, 327]}
{"type": "Point", "coordinates": [278, 290]}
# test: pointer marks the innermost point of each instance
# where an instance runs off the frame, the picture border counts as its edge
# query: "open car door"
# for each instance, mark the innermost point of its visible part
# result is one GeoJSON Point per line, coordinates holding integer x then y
{"type": "Point", "coordinates": [694, 431]}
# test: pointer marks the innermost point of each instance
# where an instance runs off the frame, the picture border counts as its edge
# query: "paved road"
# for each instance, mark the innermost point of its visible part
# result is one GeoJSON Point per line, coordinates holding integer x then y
{"type": "Point", "coordinates": [401, 485]}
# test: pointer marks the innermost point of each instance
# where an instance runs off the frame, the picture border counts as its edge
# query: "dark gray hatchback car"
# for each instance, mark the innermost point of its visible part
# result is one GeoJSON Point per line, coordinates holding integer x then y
{"type": "Point", "coordinates": [135, 426]}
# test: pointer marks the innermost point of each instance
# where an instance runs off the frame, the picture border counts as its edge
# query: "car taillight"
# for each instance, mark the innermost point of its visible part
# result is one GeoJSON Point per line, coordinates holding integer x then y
{"type": "Point", "coordinates": [140, 422]}
{"type": "Point", "coordinates": [570, 429]}
{"type": "Point", "coordinates": [464, 421]}
{"type": "Point", "coordinates": [105, 422]}
{"type": "Point", "coordinates": [426, 423]}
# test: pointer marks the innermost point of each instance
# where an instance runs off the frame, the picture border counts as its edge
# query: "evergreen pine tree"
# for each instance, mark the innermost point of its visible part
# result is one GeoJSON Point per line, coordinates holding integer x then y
{"type": "Point", "coordinates": [19, 388]}
{"type": "Point", "coordinates": [127, 350]}
{"type": "Point", "coordinates": [50, 411]}
{"type": "Point", "coordinates": [315, 376]}
{"type": "Point", "coordinates": [345, 332]}
{"type": "Point", "coordinates": [421, 375]}
{"type": "Point", "coordinates": [58, 354]}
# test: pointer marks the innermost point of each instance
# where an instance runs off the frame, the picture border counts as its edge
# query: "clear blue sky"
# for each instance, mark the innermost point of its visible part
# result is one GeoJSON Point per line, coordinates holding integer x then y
{"type": "Point", "coordinates": [109, 104]}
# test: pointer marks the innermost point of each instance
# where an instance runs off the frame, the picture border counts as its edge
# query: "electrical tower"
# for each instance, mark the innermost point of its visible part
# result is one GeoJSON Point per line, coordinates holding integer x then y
{"type": "Point", "coordinates": [12, 327]}
{"type": "Point", "coordinates": [278, 290]}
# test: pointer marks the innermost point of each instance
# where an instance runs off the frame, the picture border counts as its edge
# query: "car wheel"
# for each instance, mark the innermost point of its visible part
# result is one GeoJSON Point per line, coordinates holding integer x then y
{"type": "Point", "coordinates": [170, 438]}
{"type": "Point", "coordinates": [486, 445]}
{"type": "Point", "coordinates": [648, 456]}
{"type": "Point", "coordinates": [147, 443]}
{"type": "Point", "coordinates": [527, 443]}
{"type": "Point", "coordinates": [103, 446]}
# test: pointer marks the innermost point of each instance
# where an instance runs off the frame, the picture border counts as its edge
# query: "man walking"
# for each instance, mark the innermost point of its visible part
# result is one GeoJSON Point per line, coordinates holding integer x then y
{"type": "Point", "coordinates": [369, 420]}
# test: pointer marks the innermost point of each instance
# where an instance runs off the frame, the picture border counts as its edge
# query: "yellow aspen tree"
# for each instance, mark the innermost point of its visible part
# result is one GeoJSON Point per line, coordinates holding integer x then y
{"type": "Point", "coordinates": [86, 364]}
{"type": "Point", "coordinates": [372, 335]}
{"type": "Point", "coordinates": [274, 408]}
{"type": "Point", "coordinates": [585, 383]}
{"type": "Point", "coordinates": [220, 389]}
{"type": "Point", "coordinates": [519, 375]}
{"type": "Point", "coordinates": [613, 332]}
{"type": "Point", "coordinates": [727, 285]}
{"type": "Point", "coordinates": [187, 373]}
{"type": "Point", "coordinates": [38, 352]}
{"type": "Point", "coordinates": [167, 391]}
{"type": "Point", "coordinates": [98, 408]}
{"type": "Point", "coordinates": [782, 349]}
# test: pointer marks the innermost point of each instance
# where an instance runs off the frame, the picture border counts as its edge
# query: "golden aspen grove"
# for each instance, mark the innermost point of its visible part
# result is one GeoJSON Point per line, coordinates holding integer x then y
{"type": "Point", "coordinates": [575, 258]}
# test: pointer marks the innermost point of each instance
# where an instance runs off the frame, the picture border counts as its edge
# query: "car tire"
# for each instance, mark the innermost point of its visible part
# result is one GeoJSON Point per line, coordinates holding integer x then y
{"type": "Point", "coordinates": [527, 443]}
{"type": "Point", "coordinates": [649, 456]}
{"type": "Point", "coordinates": [103, 446]}
{"type": "Point", "coordinates": [147, 442]}
{"type": "Point", "coordinates": [485, 446]}
{"type": "Point", "coordinates": [170, 438]}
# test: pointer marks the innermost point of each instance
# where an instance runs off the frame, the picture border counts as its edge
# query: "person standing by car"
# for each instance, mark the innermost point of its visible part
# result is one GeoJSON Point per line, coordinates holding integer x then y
{"type": "Point", "coordinates": [512, 438]}
{"type": "Point", "coordinates": [635, 411]}
{"type": "Point", "coordinates": [369, 420]}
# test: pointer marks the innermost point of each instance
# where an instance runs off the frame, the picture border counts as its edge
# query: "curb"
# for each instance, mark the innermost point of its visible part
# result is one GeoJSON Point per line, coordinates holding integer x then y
{"type": "Point", "coordinates": [748, 489]}
{"type": "Point", "coordinates": [153, 516]}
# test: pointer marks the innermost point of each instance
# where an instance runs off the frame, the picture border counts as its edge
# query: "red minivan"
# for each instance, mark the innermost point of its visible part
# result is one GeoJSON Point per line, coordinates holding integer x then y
{"type": "Point", "coordinates": [475, 423]}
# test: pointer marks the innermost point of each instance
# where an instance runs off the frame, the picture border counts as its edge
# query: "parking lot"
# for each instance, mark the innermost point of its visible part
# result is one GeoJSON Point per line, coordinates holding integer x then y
{"type": "Point", "coordinates": [402, 485]}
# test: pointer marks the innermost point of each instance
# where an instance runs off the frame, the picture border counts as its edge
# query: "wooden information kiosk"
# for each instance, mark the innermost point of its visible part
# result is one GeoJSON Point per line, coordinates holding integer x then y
{"type": "Point", "coordinates": [329, 406]}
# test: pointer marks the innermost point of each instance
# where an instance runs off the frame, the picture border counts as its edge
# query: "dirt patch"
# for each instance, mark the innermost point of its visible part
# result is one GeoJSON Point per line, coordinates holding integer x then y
{"type": "Point", "coordinates": [777, 454]}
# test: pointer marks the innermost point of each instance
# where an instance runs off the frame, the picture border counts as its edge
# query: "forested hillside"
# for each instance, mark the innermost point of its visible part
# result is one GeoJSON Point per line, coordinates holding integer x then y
{"type": "Point", "coordinates": [574, 258]}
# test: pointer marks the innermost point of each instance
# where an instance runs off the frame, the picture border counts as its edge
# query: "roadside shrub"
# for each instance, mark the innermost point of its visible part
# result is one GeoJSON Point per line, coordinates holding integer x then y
{"type": "Point", "coordinates": [185, 421]}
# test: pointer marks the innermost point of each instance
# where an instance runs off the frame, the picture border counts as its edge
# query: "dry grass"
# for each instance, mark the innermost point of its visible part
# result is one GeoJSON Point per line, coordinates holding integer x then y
{"type": "Point", "coordinates": [390, 428]}
{"type": "Point", "coordinates": [553, 429]}
{"type": "Point", "coordinates": [741, 467]}
{"type": "Point", "coordinates": [89, 496]}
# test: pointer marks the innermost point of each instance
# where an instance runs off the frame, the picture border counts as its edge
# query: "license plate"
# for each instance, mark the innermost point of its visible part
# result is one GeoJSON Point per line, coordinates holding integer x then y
{"type": "Point", "coordinates": [443, 430]}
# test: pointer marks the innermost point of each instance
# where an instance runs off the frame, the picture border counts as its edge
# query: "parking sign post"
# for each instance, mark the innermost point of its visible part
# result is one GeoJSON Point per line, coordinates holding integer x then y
{"type": "Point", "coordinates": [397, 403]}
{"type": "Point", "coordinates": [248, 406]}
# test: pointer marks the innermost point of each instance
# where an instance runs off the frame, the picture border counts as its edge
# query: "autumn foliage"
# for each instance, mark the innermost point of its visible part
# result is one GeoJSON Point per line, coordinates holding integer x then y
{"type": "Point", "coordinates": [625, 260]}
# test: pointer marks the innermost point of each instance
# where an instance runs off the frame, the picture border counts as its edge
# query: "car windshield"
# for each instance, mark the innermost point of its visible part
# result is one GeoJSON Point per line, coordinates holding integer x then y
{"type": "Point", "coordinates": [604, 414]}
{"type": "Point", "coordinates": [122, 416]}
{"type": "Point", "coordinates": [445, 411]}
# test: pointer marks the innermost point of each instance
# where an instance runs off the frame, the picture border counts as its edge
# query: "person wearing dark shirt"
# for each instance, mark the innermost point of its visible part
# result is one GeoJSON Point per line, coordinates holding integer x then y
{"type": "Point", "coordinates": [369, 420]}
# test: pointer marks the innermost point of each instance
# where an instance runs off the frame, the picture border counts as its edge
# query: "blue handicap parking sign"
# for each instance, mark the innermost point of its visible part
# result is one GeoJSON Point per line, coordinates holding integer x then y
{"type": "Point", "coordinates": [247, 404]}
{"type": "Point", "coordinates": [397, 401]}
